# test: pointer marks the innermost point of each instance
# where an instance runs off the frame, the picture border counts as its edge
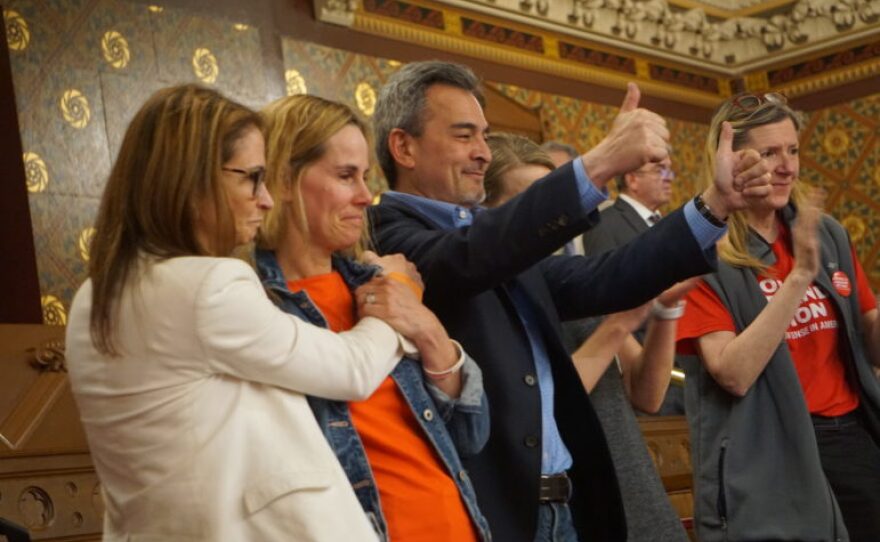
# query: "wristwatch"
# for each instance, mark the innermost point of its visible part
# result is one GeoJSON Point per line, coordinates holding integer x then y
{"type": "Point", "coordinates": [704, 210]}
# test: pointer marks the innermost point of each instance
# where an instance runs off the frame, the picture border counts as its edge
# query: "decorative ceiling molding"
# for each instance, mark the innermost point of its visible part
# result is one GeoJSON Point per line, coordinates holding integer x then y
{"type": "Point", "coordinates": [725, 10]}
{"type": "Point", "coordinates": [339, 12]}
{"type": "Point", "coordinates": [730, 45]}
{"type": "Point", "coordinates": [671, 51]}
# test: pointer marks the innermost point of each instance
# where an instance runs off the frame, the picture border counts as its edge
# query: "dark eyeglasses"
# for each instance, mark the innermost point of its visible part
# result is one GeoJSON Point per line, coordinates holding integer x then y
{"type": "Point", "coordinates": [748, 103]}
{"type": "Point", "coordinates": [256, 176]}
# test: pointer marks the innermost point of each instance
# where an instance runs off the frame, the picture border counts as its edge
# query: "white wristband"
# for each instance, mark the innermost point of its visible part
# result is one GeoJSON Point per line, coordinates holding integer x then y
{"type": "Point", "coordinates": [454, 369]}
{"type": "Point", "coordinates": [662, 312]}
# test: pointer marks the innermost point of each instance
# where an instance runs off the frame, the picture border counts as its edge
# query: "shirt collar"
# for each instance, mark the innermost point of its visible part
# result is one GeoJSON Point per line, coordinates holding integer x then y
{"type": "Point", "coordinates": [443, 214]}
{"type": "Point", "coordinates": [643, 211]}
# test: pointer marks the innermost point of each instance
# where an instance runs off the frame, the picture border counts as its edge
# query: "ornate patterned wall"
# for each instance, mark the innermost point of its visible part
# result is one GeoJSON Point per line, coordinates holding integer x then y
{"type": "Point", "coordinates": [840, 151]}
{"type": "Point", "coordinates": [81, 68]}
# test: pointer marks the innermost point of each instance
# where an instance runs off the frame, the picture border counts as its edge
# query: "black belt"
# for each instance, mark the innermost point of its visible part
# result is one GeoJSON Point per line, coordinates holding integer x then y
{"type": "Point", "coordinates": [554, 488]}
{"type": "Point", "coordinates": [835, 422]}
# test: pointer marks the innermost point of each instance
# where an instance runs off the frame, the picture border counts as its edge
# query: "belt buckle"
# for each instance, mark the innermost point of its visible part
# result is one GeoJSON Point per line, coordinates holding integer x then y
{"type": "Point", "coordinates": [555, 488]}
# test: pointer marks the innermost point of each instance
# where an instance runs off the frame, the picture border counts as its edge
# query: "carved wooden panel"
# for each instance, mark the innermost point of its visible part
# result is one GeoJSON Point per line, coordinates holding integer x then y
{"type": "Point", "coordinates": [47, 480]}
{"type": "Point", "coordinates": [668, 442]}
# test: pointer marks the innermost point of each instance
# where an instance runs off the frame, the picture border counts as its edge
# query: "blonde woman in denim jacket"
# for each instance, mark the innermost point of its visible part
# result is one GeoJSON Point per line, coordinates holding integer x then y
{"type": "Point", "coordinates": [400, 448]}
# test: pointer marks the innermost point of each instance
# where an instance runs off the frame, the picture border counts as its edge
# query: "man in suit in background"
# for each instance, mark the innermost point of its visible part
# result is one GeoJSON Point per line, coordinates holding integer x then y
{"type": "Point", "coordinates": [489, 279]}
{"type": "Point", "coordinates": [641, 193]}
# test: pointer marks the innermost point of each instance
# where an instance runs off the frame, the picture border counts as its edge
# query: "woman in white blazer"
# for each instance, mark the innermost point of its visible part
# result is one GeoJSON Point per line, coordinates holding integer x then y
{"type": "Point", "coordinates": [190, 383]}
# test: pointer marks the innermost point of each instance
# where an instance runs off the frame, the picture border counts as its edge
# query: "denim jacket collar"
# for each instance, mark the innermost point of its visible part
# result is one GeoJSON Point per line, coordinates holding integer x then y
{"type": "Point", "coordinates": [353, 273]}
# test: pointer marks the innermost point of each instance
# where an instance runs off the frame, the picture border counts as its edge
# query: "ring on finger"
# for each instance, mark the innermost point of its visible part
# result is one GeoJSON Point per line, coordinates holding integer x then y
{"type": "Point", "coordinates": [370, 298]}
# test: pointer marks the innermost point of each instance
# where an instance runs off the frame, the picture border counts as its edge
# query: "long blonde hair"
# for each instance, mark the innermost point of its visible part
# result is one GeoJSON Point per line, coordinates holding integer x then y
{"type": "Point", "coordinates": [297, 130]}
{"type": "Point", "coordinates": [745, 112]}
{"type": "Point", "coordinates": [169, 163]}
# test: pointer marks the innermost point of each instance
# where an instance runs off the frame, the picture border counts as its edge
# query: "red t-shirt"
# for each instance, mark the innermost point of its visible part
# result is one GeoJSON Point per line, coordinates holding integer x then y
{"type": "Point", "coordinates": [420, 500]}
{"type": "Point", "coordinates": [812, 335]}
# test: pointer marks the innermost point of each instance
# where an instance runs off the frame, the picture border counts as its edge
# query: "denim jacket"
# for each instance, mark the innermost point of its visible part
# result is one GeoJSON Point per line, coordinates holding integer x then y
{"type": "Point", "coordinates": [465, 427]}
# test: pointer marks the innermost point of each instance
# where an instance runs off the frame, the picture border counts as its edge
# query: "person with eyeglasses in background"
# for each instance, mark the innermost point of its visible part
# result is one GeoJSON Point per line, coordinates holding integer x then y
{"type": "Point", "coordinates": [190, 383]}
{"type": "Point", "coordinates": [781, 343]}
{"type": "Point", "coordinates": [641, 194]}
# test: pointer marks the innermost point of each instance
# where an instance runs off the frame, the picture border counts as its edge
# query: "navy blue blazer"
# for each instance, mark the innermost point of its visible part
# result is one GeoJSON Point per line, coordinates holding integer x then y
{"type": "Point", "coordinates": [468, 274]}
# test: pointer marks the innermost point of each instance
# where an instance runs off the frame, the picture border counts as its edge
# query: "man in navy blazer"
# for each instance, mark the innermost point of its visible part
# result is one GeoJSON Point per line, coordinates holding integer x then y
{"type": "Point", "coordinates": [546, 473]}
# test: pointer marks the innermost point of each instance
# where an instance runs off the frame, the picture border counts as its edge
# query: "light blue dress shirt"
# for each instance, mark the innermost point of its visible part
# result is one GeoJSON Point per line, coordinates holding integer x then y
{"type": "Point", "coordinates": [555, 457]}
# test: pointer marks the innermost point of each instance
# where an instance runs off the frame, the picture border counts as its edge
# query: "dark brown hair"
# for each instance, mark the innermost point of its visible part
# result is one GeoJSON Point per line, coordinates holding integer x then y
{"type": "Point", "coordinates": [168, 164]}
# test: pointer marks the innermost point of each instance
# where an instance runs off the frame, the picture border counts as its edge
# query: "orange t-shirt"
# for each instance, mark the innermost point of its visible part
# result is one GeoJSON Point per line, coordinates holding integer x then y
{"type": "Point", "coordinates": [419, 499]}
{"type": "Point", "coordinates": [812, 335]}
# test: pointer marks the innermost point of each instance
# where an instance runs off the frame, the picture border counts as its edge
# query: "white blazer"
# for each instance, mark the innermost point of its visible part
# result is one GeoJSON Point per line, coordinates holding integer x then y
{"type": "Point", "coordinates": [201, 430]}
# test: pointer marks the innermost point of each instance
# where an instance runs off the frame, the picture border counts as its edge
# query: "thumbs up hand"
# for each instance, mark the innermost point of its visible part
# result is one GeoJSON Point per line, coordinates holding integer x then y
{"type": "Point", "coordinates": [637, 137]}
{"type": "Point", "coordinates": [739, 176]}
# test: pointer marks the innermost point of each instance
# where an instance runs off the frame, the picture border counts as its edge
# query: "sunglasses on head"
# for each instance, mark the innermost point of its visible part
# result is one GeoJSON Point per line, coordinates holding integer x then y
{"type": "Point", "coordinates": [256, 176]}
{"type": "Point", "coordinates": [748, 103]}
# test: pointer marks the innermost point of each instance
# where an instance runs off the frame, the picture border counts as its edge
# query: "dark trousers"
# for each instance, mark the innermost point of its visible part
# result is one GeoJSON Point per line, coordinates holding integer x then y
{"type": "Point", "coordinates": [851, 461]}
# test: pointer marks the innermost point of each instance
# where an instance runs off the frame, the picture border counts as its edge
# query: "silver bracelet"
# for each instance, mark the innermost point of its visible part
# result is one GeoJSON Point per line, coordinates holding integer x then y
{"type": "Point", "coordinates": [662, 312]}
{"type": "Point", "coordinates": [454, 369]}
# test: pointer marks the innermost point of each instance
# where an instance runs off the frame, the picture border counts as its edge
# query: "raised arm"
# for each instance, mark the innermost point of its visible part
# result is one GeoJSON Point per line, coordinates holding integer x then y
{"type": "Point", "coordinates": [736, 361]}
{"type": "Point", "coordinates": [612, 336]}
{"type": "Point", "coordinates": [503, 242]}
{"type": "Point", "coordinates": [740, 176]}
{"type": "Point", "coordinates": [637, 137]}
{"type": "Point", "coordinates": [647, 368]}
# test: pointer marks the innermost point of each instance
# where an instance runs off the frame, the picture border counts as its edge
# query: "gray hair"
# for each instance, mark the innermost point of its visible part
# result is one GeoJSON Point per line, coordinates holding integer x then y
{"type": "Point", "coordinates": [401, 102]}
{"type": "Point", "coordinates": [558, 146]}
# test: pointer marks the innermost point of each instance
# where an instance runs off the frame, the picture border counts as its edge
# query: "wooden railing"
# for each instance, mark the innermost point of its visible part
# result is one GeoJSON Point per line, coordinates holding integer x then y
{"type": "Point", "coordinates": [668, 442]}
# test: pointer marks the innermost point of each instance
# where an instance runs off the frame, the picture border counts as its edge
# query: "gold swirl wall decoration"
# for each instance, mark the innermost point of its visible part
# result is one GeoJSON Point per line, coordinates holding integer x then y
{"type": "Point", "coordinates": [84, 243]}
{"type": "Point", "coordinates": [365, 97]}
{"type": "Point", "coordinates": [75, 108]}
{"type": "Point", "coordinates": [36, 172]}
{"type": "Point", "coordinates": [155, 9]}
{"type": "Point", "coordinates": [115, 49]}
{"type": "Point", "coordinates": [855, 226]}
{"type": "Point", "coordinates": [836, 141]}
{"type": "Point", "coordinates": [18, 35]}
{"type": "Point", "coordinates": [205, 65]}
{"type": "Point", "coordinates": [295, 83]}
{"type": "Point", "coordinates": [54, 313]}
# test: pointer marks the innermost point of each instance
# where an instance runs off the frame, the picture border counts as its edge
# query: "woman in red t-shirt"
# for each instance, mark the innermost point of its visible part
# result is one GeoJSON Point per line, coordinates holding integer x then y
{"type": "Point", "coordinates": [809, 298]}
